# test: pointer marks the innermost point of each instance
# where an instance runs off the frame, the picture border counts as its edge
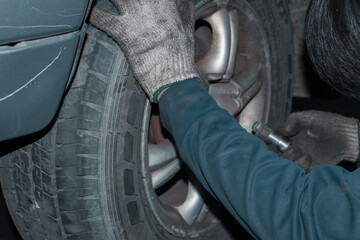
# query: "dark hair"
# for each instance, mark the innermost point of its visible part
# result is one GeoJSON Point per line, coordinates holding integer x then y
{"type": "Point", "coordinates": [332, 29]}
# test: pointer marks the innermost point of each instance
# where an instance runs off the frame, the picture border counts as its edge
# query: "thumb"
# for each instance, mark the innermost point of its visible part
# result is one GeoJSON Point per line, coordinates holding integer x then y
{"type": "Point", "coordinates": [291, 127]}
{"type": "Point", "coordinates": [186, 12]}
{"type": "Point", "coordinates": [105, 21]}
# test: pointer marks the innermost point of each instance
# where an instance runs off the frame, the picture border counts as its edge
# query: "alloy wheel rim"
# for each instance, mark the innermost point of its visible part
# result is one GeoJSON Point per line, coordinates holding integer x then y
{"type": "Point", "coordinates": [229, 79]}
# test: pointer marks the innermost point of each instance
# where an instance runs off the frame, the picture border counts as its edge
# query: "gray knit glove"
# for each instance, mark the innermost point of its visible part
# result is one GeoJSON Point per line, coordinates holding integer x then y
{"type": "Point", "coordinates": [157, 38]}
{"type": "Point", "coordinates": [321, 138]}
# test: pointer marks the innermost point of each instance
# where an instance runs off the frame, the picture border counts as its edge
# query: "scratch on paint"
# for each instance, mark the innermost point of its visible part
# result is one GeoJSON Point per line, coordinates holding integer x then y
{"type": "Point", "coordinates": [70, 15]}
{"type": "Point", "coordinates": [60, 13]}
{"type": "Point", "coordinates": [34, 78]}
{"type": "Point", "coordinates": [36, 26]}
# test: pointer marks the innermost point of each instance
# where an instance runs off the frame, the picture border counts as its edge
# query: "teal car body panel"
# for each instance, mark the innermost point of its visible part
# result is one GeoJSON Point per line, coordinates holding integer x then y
{"type": "Point", "coordinates": [40, 42]}
{"type": "Point", "coordinates": [32, 19]}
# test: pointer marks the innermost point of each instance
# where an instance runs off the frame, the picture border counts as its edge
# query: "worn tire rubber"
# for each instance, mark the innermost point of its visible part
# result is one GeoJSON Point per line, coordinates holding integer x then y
{"type": "Point", "coordinates": [82, 178]}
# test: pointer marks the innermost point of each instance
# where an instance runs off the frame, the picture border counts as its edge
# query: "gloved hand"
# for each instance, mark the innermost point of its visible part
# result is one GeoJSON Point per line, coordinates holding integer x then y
{"type": "Point", "coordinates": [157, 38]}
{"type": "Point", "coordinates": [321, 138]}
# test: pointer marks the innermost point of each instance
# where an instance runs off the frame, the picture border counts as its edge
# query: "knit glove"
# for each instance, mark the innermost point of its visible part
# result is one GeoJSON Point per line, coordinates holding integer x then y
{"type": "Point", "coordinates": [321, 138]}
{"type": "Point", "coordinates": [157, 38]}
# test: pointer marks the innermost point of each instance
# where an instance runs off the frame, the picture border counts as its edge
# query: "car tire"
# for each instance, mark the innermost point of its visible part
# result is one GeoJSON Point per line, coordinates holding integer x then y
{"type": "Point", "coordinates": [84, 176]}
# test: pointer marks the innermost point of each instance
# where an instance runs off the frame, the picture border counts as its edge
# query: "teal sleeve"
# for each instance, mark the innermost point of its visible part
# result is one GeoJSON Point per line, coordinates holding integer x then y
{"type": "Point", "coordinates": [271, 197]}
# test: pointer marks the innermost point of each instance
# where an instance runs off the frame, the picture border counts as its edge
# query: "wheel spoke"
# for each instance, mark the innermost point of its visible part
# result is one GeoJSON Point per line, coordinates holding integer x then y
{"type": "Point", "coordinates": [219, 62]}
{"type": "Point", "coordinates": [192, 206]}
{"type": "Point", "coordinates": [251, 92]}
{"type": "Point", "coordinates": [214, 64]}
{"type": "Point", "coordinates": [203, 213]}
{"type": "Point", "coordinates": [251, 83]}
{"type": "Point", "coordinates": [226, 95]}
{"type": "Point", "coordinates": [253, 69]}
{"type": "Point", "coordinates": [165, 173]}
{"type": "Point", "coordinates": [234, 26]}
{"type": "Point", "coordinates": [235, 94]}
{"type": "Point", "coordinates": [160, 154]}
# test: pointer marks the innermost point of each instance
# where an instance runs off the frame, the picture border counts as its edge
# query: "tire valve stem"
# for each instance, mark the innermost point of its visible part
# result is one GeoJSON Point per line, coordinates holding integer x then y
{"type": "Point", "coordinates": [264, 132]}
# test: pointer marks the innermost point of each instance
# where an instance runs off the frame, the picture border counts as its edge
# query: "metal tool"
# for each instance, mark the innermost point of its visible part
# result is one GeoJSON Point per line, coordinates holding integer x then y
{"type": "Point", "coordinates": [264, 132]}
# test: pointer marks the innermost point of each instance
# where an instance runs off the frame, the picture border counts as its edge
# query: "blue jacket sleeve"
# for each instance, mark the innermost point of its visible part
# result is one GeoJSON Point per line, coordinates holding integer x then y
{"type": "Point", "coordinates": [271, 197]}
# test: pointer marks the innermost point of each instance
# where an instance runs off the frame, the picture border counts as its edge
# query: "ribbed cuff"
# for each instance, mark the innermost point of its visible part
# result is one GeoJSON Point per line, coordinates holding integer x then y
{"type": "Point", "coordinates": [358, 157]}
{"type": "Point", "coordinates": [350, 128]}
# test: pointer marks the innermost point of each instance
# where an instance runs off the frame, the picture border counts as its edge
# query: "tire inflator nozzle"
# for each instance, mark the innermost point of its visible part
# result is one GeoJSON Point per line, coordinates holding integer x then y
{"type": "Point", "coordinates": [264, 132]}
